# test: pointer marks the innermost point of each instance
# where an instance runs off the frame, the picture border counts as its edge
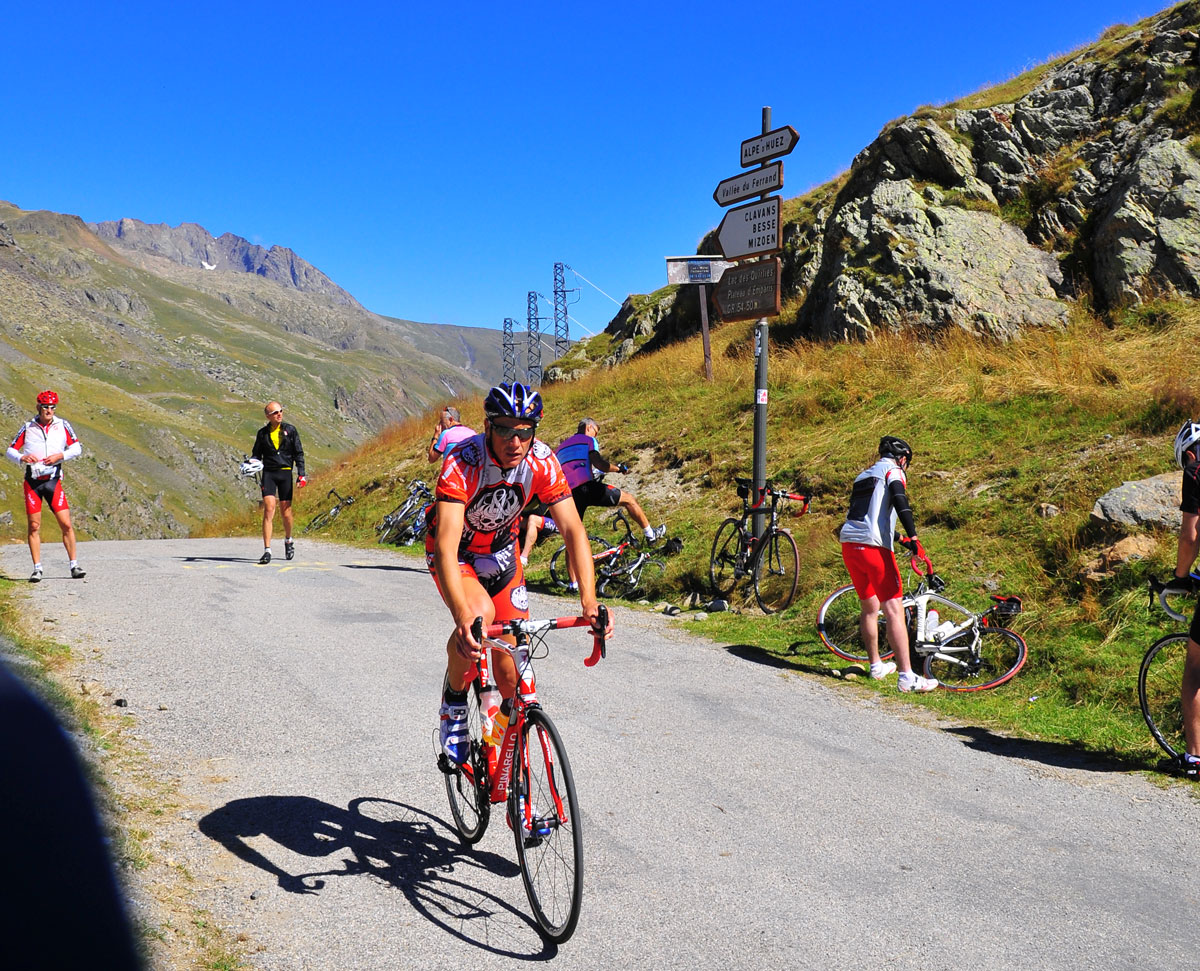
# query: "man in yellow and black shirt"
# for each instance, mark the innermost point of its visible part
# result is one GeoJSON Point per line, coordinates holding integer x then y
{"type": "Point", "coordinates": [278, 446]}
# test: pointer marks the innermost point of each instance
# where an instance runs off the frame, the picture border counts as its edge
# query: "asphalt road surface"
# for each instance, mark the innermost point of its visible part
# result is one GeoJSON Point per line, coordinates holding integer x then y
{"type": "Point", "coordinates": [735, 813]}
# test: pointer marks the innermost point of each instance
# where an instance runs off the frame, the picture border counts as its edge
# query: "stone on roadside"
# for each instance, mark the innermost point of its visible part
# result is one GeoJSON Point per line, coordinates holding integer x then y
{"type": "Point", "coordinates": [1145, 502]}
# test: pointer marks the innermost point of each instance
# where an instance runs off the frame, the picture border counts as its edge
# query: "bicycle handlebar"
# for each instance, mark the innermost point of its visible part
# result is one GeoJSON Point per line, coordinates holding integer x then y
{"type": "Point", "coordinates": [519, 626]}
{"type": "Point", "coordinates": [1159, 589]}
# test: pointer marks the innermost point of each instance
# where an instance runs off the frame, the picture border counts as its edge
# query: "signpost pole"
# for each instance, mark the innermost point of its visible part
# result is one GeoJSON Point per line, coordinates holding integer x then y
{"type": "Point", "coordinates": [760, 392]}
{"type": "Point", "coordinates": [704, 331]}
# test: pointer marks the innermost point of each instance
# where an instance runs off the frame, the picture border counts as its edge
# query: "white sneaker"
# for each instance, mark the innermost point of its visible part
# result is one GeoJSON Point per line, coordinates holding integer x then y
{"type": "Point", "coordinates": [36, 576]}
{"type": "Point", "coordinates": [914, 682]}
{"type": "Point", "coordinates": [883, 669]}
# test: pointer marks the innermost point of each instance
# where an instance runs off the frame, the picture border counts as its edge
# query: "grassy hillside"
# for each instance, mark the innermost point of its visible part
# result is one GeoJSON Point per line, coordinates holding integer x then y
{"type": "Point", "coordinates": [1056, 417]}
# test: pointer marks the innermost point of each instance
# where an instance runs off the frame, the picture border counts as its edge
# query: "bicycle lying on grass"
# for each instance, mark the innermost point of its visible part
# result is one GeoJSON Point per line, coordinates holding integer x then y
{"type": "Point", "coordinates": [405, 524]}
{"type": "Point", "coordinates": [528, 771]}
{"type": "Point", "coordinates": [321, 520]}
{"type": "Point", "coordinates": [622, 566]}
{"type": "Point", "coordinates": [964, 650]}
{"type": "Point", "coordinates": [1160, 679]}
{"type": "Point", "coordinates": [772, 561]}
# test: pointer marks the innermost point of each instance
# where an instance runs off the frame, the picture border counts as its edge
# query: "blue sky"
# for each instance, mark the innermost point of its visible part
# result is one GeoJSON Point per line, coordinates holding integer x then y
{"type": "Point", "coordinates": [436, 161]}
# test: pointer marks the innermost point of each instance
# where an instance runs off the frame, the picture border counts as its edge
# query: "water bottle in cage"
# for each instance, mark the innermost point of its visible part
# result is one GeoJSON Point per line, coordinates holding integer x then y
{"type": "Point", "coordinates": [489, 705]}
{"type": "Point", "coordinates": [525, 684]}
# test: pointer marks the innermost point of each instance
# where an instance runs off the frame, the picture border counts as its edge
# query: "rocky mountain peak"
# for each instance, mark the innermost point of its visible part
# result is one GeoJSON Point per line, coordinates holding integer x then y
{"type": "Point", "coordinates": [192, 245]}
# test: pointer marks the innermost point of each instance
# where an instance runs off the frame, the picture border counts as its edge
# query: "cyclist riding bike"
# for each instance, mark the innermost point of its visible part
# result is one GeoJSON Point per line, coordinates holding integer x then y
{"type": "Point", "coordinates": [1187, 457]}
{"type": "Point", "coordinates": [471, 545]}
{"type": "Point", "coordinates": [877, 499]}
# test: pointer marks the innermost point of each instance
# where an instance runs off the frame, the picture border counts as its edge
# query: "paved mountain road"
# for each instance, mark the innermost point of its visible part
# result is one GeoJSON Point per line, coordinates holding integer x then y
{"type": "Point", "coordinates": [735, 814]}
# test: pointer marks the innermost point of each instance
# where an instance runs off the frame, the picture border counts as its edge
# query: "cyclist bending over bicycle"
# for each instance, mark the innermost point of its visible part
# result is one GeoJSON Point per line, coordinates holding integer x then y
{"type": "Point", "coordinates": [1187, 457]}
{"type": "Point", "coordinates": [471, 547]}
{"type": "Point", "coordinates": [877, 500]}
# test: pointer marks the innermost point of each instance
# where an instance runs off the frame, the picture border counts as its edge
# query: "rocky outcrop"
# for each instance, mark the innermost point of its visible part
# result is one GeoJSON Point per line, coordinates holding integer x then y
{"type": "Point", "coordinates": [990, 217]}
{"type": "Point", "coordinates": [192, 245]}
{"type": "Point", "coordinates": [1148, 502]}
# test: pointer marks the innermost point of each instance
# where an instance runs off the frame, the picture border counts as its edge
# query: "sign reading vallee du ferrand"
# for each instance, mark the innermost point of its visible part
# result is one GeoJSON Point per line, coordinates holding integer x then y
{"type": "Point", "coordinates": [756, 182]}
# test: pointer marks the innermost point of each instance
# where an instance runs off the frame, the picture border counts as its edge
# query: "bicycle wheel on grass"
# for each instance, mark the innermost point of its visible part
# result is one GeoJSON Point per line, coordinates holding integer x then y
{"type": "Point", "coordinates": [1159, 684]}
{"type": "Point", "coordinates": [320, 521]}
{"type": "Point", "coordinates": [959, 665]}
{"type": "Point", "coordinates": [558, 561]}
{"type": "Point", "coordinates": [837, 625]}
{"type": "Point", "coordinates": [467, 784]}
{"type": "Point", "coordinates": [726, 548]}
{"type": "Point", "coordinates": [776, 571]}
{"type": "Point", "coordinates": [632, 580]}
{"type": "Point", "coordinates": [544, 815]}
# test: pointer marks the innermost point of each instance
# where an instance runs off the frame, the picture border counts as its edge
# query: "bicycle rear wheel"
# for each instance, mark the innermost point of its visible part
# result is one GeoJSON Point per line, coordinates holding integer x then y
{"type": "Point", "coordinates": [776, 571]}
{"type": "Point", "coordinates": [722, 565]}
{"type": "Point", "coordinates": [961, 665]}
{"type": "Point", "coordinates": [544, 814]}
{"type": "Point", "coordinates": [467, 784]}
{"type": "Point", "coordinates": [838, 627]}
{"type": "Point", "coordinates": [1159, 684]}
{"type": "Point", "coordinates": [320, 521]}
{"type": "Point", "coordinates": [558, 562]}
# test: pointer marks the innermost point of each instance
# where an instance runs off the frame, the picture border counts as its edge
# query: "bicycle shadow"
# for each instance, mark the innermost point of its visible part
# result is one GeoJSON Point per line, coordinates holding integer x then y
{"type": "Point", "coordinates": [1059, 754]}
{"type": "Point", "coordinates": [398, 844]}
{"type": "Point", "coordinates": [218, 559]}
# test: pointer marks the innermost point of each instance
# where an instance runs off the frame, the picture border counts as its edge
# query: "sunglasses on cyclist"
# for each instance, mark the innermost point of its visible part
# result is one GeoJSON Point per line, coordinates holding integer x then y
{"type": "Point", "coordinates": [524, 433]}
{"type": "Point", "coordinates": [277, 411]}
{"type": "Point", "coordinates": [47, 407]}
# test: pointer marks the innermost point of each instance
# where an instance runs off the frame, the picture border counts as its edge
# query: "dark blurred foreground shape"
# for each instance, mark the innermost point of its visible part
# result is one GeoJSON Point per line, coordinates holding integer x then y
{"type": "Point", "coordinates": [60, 906]}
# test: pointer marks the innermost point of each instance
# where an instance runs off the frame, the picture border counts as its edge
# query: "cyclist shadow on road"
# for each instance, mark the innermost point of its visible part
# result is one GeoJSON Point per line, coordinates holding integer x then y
{"type": "Point", "coordinates": [385, 566]}
{"type": "Point", "coordinates": [1048, 753]}
{"type": "Point", "coordinates": [218, 559]}
{"type": "Point", "coordinates": [395, 843]}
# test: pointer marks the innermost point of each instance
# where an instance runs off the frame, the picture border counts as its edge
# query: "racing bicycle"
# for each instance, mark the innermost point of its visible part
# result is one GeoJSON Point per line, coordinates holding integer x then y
{"type": "Point", "coordinates": [321, 520]}
{"type": "Point", "coordinates": [622, 567]}
{"type": "Point", "coordinates": [1160, 680]}
{"type": "Point", "coordinates": [405, 524]}
{"type": "Point", "coordinates": [528, 772]}
{"type": "Point", "coordinates": [772, 560]}
{"type": "Point", "coordinates": [964, 650]}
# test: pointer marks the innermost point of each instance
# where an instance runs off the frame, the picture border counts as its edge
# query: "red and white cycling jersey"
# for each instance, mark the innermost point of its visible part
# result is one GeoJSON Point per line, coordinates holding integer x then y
{"type": "Point", "coordinates": [34, 438]}
{"type": "Point", "coordinates": [493, 496]}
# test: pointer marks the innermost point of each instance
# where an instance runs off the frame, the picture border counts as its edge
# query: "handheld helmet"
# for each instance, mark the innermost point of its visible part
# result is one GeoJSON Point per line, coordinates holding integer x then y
{"type": "Point", "coordinates": [894, 448]}
{"type": "Point", "coordinates": [513, 401]}
{"type": "Point", "coordinates": [47, 398]}
{"type": "Point", "coordinates": [1186, 441]}
{"type": "Point", "coordinates": [251, 467]}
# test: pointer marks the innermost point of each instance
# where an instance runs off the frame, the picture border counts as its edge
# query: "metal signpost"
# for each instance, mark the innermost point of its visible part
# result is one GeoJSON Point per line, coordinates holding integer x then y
{"type": "Point", "coordinates": [701, 270]}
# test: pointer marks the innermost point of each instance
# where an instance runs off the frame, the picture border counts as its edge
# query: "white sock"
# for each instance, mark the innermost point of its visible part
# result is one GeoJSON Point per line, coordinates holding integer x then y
{"type": "Point", "coordinates": [649, 531]}
{"type": "Point", "coordinates": [37, 566]}
{"type": "Point", "coordinates": [73, 564]}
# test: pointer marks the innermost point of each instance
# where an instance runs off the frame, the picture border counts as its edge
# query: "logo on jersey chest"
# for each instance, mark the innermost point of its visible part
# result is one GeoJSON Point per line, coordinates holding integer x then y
{"type": "Point", "coordinates": [493, 509]}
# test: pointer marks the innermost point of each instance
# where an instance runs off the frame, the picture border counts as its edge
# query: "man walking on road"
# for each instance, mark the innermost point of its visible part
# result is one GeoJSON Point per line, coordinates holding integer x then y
{"type": "Point", "coordinates": [278, 446]}
{"type": "Point", "coordinates": [41, 445]}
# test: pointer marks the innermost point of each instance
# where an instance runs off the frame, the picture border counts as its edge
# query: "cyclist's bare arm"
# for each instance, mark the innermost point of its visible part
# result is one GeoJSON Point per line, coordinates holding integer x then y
{"type": "Point", "coordinates": [445, 560]}
{"type": "Point", "coordinates": [1189, 543]}
{"type": "Point", "coordinates": [566, 517]}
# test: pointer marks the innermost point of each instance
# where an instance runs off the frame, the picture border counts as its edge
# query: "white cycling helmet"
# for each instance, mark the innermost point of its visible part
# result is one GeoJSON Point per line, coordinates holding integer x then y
{"type": "Point", "coordinates": [1186, 440]}
{"type": "Point", "coordinates": [251, 467]}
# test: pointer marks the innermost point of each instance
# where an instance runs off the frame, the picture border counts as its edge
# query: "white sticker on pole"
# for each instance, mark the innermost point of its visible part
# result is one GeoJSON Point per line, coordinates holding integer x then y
{"type": "Point", "coordinates": [760, 396]}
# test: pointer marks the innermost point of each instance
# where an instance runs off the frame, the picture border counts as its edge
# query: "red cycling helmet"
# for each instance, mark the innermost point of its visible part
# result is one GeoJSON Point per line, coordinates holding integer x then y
{"type": "Point", "coordinates": [47, 398]}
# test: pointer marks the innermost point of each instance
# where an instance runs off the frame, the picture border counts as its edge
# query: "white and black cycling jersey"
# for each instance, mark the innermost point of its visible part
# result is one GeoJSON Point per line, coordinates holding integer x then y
{"type": "Point", "coordinates": [876, 499]}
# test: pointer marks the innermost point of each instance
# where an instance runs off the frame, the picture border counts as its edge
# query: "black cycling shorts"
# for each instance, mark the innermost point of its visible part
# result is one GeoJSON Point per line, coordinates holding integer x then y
{"type": "Point", "coordinates": [277, 482]}
{"type": "Point", "coordinates": [595, 493]}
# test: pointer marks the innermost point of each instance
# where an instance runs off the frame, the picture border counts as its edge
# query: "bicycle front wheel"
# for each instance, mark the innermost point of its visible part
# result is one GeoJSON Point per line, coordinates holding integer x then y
{"type": "Point", "coordinates": [558, 561]}
{"type": "Point", "coordinates": [467, 784]}
{"type": "Point", "coordinates": [962, 664]}
{"type": "Point", "coordinates": [544, 814]}
{"type": "Point", "coordinates": [1159, 684]}
{"type": "Point", "coordinates": [776, 571]}
{"type": "Point", "coordinates": [722, 565]}
{"type": "Point", "coordinates": [838, 627]}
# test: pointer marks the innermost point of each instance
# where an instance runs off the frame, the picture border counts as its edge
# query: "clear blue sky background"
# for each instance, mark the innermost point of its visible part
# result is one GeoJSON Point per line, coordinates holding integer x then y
{"type": "Point", "coordinates": [436, 160]}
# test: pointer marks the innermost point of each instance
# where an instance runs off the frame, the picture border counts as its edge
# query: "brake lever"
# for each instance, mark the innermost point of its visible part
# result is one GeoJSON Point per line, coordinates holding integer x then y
{"type": "Point", "coordinates": [598, 647]}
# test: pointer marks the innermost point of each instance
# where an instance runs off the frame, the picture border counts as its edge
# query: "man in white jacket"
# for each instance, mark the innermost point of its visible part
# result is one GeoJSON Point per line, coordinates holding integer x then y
{"type": "Point", "coordinates": [41, 445]}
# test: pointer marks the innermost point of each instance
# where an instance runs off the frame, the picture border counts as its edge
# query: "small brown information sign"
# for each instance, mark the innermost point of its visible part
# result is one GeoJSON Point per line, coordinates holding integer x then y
{"type": "Point", "coordinates": [750, 291]}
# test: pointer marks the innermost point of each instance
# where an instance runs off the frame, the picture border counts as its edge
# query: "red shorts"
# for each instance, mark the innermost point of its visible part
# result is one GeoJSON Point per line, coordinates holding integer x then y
{"type": "Point", "coordinates": [873, 571]}
{"type": "Point", "coordinates": [53, 492]}
{"type": "Point", "coordinates": [506, 587]}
